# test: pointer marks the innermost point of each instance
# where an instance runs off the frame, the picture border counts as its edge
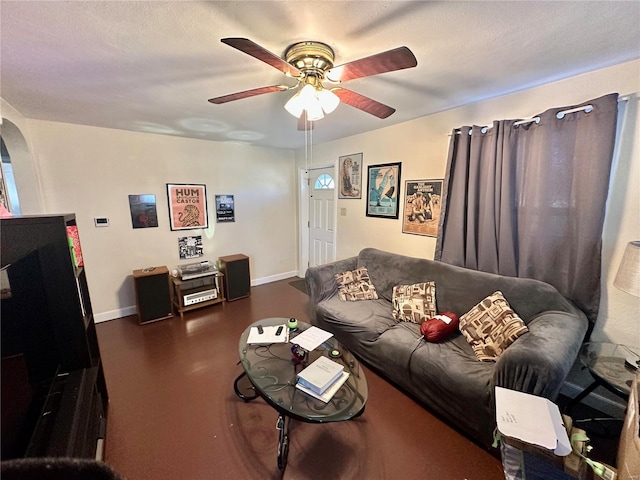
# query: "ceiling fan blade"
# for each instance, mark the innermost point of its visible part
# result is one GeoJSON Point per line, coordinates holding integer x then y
{"type": "Point", "coordinates": [389, 61]}
{"type": "Point", "coordinates": [303, 124]}
{"type": "Point", "coordinates": [251, 48]}
{"type": "Point", "coordinates": [248, 93]}
{"type": "Point", "coordinates": [363, 103]}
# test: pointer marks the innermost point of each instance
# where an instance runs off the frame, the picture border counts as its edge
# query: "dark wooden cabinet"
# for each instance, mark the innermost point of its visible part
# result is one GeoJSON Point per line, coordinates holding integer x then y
{"type": "Point", "coordinates": [57, 404]}
{"type": "Point", "coordinates": [237, 278]}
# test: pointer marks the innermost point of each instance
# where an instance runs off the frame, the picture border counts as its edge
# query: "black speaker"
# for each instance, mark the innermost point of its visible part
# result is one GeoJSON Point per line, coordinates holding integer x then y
{"type": "Point", "coordinates": [153, 296]}
{"type": "Point", "coordinates": [237, 280]}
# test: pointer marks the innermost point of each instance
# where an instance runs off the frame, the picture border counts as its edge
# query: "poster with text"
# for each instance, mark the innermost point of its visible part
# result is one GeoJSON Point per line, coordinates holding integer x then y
{"type": "Point", "coordinates": [350, 176]}
{"type": "Point", "coordinates": [187, 206]}
{"type": "Point", "coordinates": [422, 207]}
{"type": "Point", "coordinates": [225, 210]}
{"type": "Point", "coordinates": [382, 190]}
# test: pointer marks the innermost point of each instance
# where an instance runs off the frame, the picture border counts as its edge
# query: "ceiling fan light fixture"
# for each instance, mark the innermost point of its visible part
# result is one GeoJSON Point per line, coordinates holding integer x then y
{"type": "Point", "coordinates": [328, 100]}
{"type": "Point", "coordinates": [295, 105]}
{"type": "Point", "coordinates": [314, 110]}
{"type": "Point", "coordinates": [315, 100]}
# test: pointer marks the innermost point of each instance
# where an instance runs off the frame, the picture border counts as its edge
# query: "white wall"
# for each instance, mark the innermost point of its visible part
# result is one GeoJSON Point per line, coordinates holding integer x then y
{"type": "Point", "coordinates": [421, 145]}
{"type": "Point", "coordinates": [91, 171]}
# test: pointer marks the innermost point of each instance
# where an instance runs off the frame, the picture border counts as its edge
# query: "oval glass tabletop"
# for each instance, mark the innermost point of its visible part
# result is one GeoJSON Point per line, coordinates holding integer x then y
{"type": "Point", "coordinates": [272, 371]}
{"type": "Point", "coordinates": [606, 361]}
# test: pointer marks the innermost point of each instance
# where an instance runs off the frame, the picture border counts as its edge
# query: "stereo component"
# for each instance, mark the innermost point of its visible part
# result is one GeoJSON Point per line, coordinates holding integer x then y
{"type": "Point", "coordinates": [237, 279]}
{"type": "Point", "coordinates": [199, 297]}
{"type": "Point", "coordinates": [152, 294]}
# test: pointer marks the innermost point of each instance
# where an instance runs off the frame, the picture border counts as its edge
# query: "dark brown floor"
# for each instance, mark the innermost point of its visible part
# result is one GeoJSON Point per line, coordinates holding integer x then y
{"type": "Point", "coordinates": [173, 414]}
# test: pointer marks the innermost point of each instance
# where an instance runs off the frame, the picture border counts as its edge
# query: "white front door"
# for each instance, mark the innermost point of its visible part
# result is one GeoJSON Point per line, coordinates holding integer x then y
{"type": "Point", "coordinates": [322, 216]}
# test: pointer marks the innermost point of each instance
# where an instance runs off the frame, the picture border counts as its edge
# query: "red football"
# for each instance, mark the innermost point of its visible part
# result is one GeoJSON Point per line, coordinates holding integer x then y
{"type": "Point", "coordinates": [439, 327]}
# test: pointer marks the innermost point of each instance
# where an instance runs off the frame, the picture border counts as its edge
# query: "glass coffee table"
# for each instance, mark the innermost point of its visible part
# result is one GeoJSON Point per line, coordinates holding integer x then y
{"type": "Point", "coordinates": [610, 365]}
{"type": "Point", "coordinates": [270, 372]}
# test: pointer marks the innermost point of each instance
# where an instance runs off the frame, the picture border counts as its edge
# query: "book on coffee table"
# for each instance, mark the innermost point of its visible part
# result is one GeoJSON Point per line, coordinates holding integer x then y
{"type": "Point", "coordinates": [329, 392]}
{"type": "Point", "coordinates": [320, 375]}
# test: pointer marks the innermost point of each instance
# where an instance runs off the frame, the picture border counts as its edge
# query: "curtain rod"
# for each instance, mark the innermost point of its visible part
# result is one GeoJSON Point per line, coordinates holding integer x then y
{"type": "Point", "coordinates": [559, 115]}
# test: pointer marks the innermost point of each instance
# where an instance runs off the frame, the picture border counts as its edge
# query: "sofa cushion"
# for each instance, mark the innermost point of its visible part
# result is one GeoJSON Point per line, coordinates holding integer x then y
{"type": "Point", "coordinates": [414, 303]}
{"type": "Point", "coordinates": [362, 321]}
{"type": "Point", "coordinates": [355, 285]}
{"type": "Point", "coordinates": [491, 326]}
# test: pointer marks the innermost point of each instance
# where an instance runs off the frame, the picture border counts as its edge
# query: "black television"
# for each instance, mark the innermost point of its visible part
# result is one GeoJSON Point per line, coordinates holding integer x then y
{"type": "Point", "coordinates": [29, 356]}
{"type": "Point", "coordinates": [54, 396]}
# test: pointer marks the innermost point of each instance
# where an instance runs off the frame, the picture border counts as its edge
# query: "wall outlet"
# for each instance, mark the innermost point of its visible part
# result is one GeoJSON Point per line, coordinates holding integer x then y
{"type": "Point", "coordinates": [343, 212]}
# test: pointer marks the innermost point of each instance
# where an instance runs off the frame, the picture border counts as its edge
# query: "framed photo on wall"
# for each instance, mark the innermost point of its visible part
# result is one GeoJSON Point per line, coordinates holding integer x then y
{"type": "Point", "coordinates": [350, 176]}
{"type": "Point", "coordinates": [187, 206]}
{"type": "Point", "coordinates": [143, 211]}
{"type": "Point", "coordinates": [383, 189]}
{"type": "Point", "coordinates": [422, 207]}
{"type": "Point", "coordinates": [225, 210]}
{"type": "Point", "coordinates": [190, 247]}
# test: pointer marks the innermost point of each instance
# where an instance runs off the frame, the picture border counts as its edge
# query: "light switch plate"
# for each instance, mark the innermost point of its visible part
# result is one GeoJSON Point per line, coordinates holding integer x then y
{"type": "Point", "coordinates": [101, 222]}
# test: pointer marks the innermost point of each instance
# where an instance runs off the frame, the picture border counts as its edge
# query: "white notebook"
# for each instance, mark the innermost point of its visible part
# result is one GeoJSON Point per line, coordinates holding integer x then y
{"type": "Point", "coordinates": [329, 392]}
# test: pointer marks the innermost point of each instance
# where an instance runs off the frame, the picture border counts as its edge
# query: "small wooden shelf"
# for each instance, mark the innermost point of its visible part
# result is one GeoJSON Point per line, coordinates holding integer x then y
{"type": "Point", "coordinates": [196, 285]}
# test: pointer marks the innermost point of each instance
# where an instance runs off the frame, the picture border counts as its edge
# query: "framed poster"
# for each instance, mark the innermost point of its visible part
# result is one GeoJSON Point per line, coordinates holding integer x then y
{"type": "Point", "coordinates": [382, 190]}
{"type": "Point", "coordinates": [225, 210]}
{"type": "Point", "coordinates": [187, 206]}
{"type": "Point", "coordinates": [350, 176]}
{"type": "Point", "coordinates": [422, 207]}
{"type": "Point", "coordinates": [143, 211]}
{"type": "Point", "coordinates": [190, 247]}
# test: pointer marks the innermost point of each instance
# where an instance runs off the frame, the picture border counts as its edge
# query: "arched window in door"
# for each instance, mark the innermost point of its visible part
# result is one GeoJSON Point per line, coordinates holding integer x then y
{"type": "Point", "coordinates": [8, 190]}
{"type": "Point", "coordinates": [324, 182]}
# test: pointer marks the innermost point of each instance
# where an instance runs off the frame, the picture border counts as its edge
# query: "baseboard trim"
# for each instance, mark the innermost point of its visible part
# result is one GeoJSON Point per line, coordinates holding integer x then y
{"type": "Point", "coordinates": [273, 278]}
{"type": "Point", "coordinates": [595, 400]}
{"type": "Point", "coordinates": [132, 310]}
{"type": "Point", "coordinates": [113, 314]}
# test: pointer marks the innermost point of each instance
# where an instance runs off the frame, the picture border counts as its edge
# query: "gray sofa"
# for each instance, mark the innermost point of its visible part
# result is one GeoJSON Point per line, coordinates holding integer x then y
{"type": "Point", "coordinates": [447, 377]}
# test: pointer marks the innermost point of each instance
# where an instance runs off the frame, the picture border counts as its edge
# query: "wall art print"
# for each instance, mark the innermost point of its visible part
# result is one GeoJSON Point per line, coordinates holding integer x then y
{"type": "Point", "coordinates": [190, 247]}
{"type": "Point", "coordinates": [143, 211]}
{"type": "Point", "coordinates": [225, 209]}
{"type": "Point", "coordinates": [350, 176]}
{"type": "Point", "coordinates": [187, 206]}
{"type": "Point", "coordinates": [383, 189]}
{"type": "Point", "coordinates": [422, 207]}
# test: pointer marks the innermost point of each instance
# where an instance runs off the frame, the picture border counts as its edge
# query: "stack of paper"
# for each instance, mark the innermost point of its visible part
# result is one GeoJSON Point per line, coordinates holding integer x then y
{"type": "Point", "coordinates": [270, 334]}
{"type": "Point", "coordinates": [312, 338]}
{"type": "Point", "coordinates": [329, 392]}
{"type": "Point", "coordinates": [322, 378]}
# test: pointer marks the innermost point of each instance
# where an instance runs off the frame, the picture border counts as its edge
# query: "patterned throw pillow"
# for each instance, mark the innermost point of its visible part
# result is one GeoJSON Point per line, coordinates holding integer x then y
{"type": "Point", "coordinates": [491, 326]}
{"type": "Point", "coordinates": [414, 303]}
{"type": "Point", "coordinates": [355, 285]}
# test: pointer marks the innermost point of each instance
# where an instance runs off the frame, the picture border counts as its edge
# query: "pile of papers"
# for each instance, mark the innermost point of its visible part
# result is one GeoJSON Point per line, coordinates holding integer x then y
{"type": "Point", "coordinates": [269, 334]}
{"type": "Point", "coordinates": [322, 379]}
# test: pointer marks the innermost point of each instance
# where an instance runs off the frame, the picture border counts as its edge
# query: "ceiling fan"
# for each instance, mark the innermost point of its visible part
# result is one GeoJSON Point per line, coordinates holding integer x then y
{"type": "Point", "coordinates": [311, 64]}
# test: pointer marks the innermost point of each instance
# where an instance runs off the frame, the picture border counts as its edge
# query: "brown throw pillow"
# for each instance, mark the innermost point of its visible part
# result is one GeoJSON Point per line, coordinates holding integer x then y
{"type": "Point", "coordinates": [414, 303]}
{"type": "Point", "coordinates": [491, 326]}
{"type": "Point", "coordinates": [355, 285]}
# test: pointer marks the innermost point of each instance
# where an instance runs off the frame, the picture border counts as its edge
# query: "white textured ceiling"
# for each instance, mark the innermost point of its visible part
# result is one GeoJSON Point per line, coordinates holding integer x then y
{"type": "Point", "coordinates": [151, 66]}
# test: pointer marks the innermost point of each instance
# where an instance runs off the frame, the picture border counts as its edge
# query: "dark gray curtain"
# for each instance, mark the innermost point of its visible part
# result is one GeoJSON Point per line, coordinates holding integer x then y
{"type": "Point", "coordinates": [529, 200]}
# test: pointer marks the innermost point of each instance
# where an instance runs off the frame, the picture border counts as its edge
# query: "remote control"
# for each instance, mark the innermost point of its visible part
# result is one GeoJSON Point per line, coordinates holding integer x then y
{"type": "Point", "coordinates": [260, 329]}
{"type": "Point", "coordinates": [279, 330]}
{"type": "Point", "coordinates": [632, 362]}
